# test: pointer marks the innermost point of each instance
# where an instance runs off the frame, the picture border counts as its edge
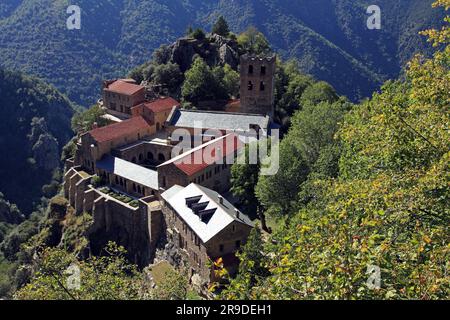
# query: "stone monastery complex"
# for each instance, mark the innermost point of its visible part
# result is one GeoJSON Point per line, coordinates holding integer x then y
{"type": "Point", "coordinates": [160, 201]}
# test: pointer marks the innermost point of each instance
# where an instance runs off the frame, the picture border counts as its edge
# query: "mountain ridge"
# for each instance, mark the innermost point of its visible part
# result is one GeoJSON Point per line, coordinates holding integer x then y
{"type": "Point", "coordinates": [328, 37]}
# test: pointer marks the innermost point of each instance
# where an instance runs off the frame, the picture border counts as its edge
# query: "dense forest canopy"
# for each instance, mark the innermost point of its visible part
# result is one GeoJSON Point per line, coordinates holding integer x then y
{"type": "Point", "coordinates": [329, 38]}
{"type": "Point", "coordinates": [378, 200]}
{"type": "Point", "coordinates": [34, 128]}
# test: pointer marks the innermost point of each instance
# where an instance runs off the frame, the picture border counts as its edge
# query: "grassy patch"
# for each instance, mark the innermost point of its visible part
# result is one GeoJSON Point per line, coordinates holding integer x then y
{"type": "Point", "coordinates": [275, 223]}
{"type": "Point", "coordinates": [158, 271]}
{"type": "Point", "coordinates": [75, 228]}
{"type": "Point", "coordinates": [6, 285]}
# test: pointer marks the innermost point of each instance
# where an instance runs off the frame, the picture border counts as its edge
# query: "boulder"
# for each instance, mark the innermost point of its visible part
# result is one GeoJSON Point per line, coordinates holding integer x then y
{"type": "Point", "coordinates": [214, 49]}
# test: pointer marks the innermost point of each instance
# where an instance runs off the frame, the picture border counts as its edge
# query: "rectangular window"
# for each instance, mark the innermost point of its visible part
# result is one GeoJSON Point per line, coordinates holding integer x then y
{"type": "Point", "coordinates": [221, 248]}
{"type": "Point", "coordinates": [263, 70]}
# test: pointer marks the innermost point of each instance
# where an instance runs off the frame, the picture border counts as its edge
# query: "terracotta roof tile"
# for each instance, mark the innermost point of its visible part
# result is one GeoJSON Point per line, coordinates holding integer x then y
{"type": "Point", "coordinates": [162, 104]}
{"type": "Point", "coordinates": [117, 130]}
{"type": "Point", "coordinates": [123, 87]}
{"type": "Point", "coordinates": [226, 145]}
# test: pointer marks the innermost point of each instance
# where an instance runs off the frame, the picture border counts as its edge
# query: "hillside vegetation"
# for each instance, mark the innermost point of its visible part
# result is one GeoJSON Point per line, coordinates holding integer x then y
{"type": "Point", "coordinates": [328, 37]}
{"type": "Point", "coordinates": [360, 197]}
{"type": "Point", "coordinates": [361, 187]}
{"type": "Point", "coordinates": [34, 128]}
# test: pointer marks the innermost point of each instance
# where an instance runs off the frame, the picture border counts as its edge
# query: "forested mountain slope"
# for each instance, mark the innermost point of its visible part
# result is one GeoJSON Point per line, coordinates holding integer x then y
{"type": "Point", "coordinates": [34, 126]}
{"type": "Point", "coordinates": [328, 37]}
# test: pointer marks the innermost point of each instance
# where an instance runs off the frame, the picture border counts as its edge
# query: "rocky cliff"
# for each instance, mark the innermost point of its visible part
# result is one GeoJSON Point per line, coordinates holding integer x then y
{"type": "Point", "coordinates": [214, 49]}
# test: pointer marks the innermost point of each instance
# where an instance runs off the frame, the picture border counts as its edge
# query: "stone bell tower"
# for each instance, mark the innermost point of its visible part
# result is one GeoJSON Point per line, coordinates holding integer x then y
{"type": "Point", "coordinates": [257, 84]}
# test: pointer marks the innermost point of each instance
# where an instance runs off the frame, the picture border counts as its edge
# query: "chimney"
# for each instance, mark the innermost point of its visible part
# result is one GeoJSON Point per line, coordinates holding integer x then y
{"type": "Point", "coordinates": [238, 214]}
{"type": "Point", "coordinates": [220, 199]}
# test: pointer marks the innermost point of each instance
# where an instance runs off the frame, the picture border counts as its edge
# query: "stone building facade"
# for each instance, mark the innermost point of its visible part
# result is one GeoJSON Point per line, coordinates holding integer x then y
{"type": "Point", "coordinates": [144, 193]}
{"type": "Point", "coordinates": [120, 96]}
{"type": "Point", "coordinates": [97, 143]}
{"type": "Point", "coordinates": [203, 227]}
{"type": "Point", "coordinates": [257, 85]}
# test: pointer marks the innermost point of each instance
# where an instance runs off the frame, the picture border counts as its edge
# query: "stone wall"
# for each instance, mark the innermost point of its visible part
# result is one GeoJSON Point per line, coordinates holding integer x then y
{"type": "Point", "coordinates": [182, 243]}
{"type": "Point", "coordinates": [121, 104]}
{"type": "Point", "coordinates": [136, 229]}
{"type": "Point", "coordinates": [215, 176]}
{"type": "Point", "coordinates": [257, 85]}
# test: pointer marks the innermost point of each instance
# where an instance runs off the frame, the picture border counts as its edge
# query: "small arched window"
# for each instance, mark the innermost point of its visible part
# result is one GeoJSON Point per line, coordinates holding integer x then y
{"type": "Point", "coordinates": [263, 70]}
{"type": "Point", "coordinates": [250, 69]}
{"type": "Point", "coordinates": [161, 157]}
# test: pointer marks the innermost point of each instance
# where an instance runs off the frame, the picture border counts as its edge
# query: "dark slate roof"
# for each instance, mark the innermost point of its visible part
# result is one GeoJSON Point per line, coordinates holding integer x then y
{"type": "Point", "coordinates": [129, 171]}
{"type": "Point", "coordinates": [217, 120]}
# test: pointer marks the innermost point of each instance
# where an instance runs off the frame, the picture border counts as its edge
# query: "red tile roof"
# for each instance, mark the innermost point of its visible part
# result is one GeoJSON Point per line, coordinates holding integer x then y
{"type": "Point", "coordinates": [161, 105]}
{"type": "Point", "coordinates": [227, 145]}
{"type": "Point", "coordinates": [117, 130]}
{"type": "Point", "coordinates": [123, 87]}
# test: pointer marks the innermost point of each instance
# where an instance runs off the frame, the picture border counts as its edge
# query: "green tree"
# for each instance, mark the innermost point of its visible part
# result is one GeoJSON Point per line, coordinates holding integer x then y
{"type": "Point", "coordinates": [319, 92]}
{"type": "Point", "coordinates": [202, 83]}
{"type": "Point", "coordinates": [198, 34]}
{"type": "Point", "coordinates": [231, 81]}
{"type": "Point", "coordinates": [254, 42]}
{"type": "Point", "coordinates": [168, 75]}
{"type": "Point", "coordinates": [84, 120]}
{"type": "Point", "coordinates": [221, 27]}
{"type": "Point", "coordinates": [174, 286]}
{"type": "Point", "coordinates": [278, 193]}
{"type": "Point", "coordinates": [162, 55]}
{"type": "Point", "coordinates": [387, 208]}
{"type": "Point", "coordinates": [252, 269]}
{"type": "Point", "coordinates": [312, 132]}
{"type": "Point", "coordinates": [290, 84]}
{"type": "Point", "coordinates": [109, 277]}
{"type": "Point", "coordinates": [244, 178]}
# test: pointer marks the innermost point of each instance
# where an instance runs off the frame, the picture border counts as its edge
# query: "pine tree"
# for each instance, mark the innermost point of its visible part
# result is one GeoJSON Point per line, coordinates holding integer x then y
{"type": "Point", "coordinates": [221, 27]}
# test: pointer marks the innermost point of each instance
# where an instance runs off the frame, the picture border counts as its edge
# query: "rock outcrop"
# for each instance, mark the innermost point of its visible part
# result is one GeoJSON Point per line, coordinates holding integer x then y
{"type": "Point", "coordinates": [46, 152]}
{"type": "Point", "coordinates": [214, 49]}
{"type": "Point", "coordinates": [9, 213]}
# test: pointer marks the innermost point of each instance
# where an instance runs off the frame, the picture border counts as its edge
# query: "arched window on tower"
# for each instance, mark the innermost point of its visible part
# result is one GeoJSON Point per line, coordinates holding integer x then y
{"type": "Point", "coordinates": [250, 86]}
{"type": "Point", "coordinates": [262, 86]}
{"type": "Point", "coordinates": [263, 70]}
{"type": "Point", "coordinates": [250, 69]}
